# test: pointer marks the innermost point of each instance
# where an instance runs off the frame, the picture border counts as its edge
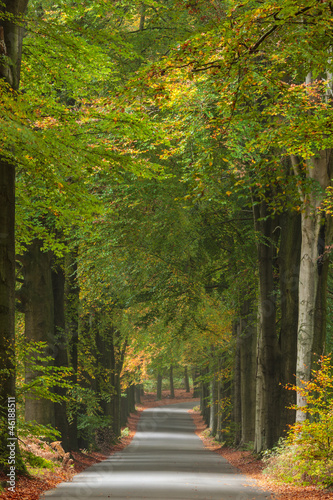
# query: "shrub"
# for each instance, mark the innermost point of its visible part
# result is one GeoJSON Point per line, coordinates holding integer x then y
{"type": "Point", "coordinates": [306, 455]}
{"type": "Point", "coordinates": [36, 461]}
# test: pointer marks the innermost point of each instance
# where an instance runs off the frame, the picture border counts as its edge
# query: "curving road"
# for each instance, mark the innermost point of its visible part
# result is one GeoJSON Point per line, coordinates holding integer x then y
{"type": "Point", "coordinates": [165, 461]}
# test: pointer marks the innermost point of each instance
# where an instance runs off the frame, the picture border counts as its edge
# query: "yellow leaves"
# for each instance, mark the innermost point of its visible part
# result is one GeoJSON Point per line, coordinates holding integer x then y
{"type": "Point", "coordinates": [228, 193]}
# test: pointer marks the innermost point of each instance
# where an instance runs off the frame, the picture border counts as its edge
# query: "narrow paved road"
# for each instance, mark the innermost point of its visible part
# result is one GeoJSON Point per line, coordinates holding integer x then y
{"type": "Point", "coordinates": [165, 461]}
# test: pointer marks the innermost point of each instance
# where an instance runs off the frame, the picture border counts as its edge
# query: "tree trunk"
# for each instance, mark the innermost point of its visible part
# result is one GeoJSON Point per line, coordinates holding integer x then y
{"type": "Point", "coordinates": [267, 379]}
{"type": "Point", "coordinates": [186, 380]}
{"type": "Point", "coordinates": [138, 389]}
{"type": "Point", "coordinates": [11, 35]}
{"type": "Point", "coordinates": [172, 389]}
{"type": "Point", "coordinates": [289, 258]}
{"type": "Point", "coordinates": [159, 387]}
{"type": "Point", "coordinates": [60, 353]}
{"type": "Point", "coordinates": [237, 400]}
{"type": "Point", "coordinates": [72, 301]}
{"type": "Point", "coordinates": [314, 240]}
{"type": "Point", "coordinates": [213, 406]}
{"type": "Point", "coordinates": [7, 301]}
{"type": "Point", "coordinates": [196, 385]}
{"type": "Point", "coordinates": [248, 342]}
{"type": "Point", "coordinates": [205, 396]}
{"type": "Point", "coordinates": [319, 341]}
{"type": "Point", "coordinates": [131, 399]}
{"type": "Point", "coordinates": [39, 323]}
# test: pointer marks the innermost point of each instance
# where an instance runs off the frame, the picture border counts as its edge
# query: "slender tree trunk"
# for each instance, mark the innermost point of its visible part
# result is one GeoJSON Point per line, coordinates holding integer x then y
{"type": "Point", "coordinates": [72, 333]}
{"type": "Point", "coordinates": [61, 347]}
{"type": "Point", "coordinates": [159, 387]}
{"type": "Point", "coordinates": [172, 388]}
{"type": "Point", "coordinates": [319, 170]}
{"type": "Point", "coordinates": [237, 400]}
{"type": "Point", "coordinates": [196, 384]}
{"type": "Point", "coordinates": [213, 406]}
{"type": "Point", "coordinates": [11, 35]}
{"type": "Point", "coordinates": [248, 342]}
{"type": "Point", "coordinates": [186, 380]}
{"type": "Point", "coordinates": [138, 389]}
{"type": "Point", "coordinates": [267, 380]}
{"type": "Point", "coordinates": [118, 350]}
{"type": "Point", "coordinates": [205, 396]}
{"type": "Point", "coordinates": [7, 301]}
{"type": "Point", "coordinates": [131, 399]}
{"type": "Point", "coordinates": [39, 323]}
{"type": "Point", "coordinates": [319, 341]}
{"type": "Point", "coordinates": [289, 258]}
{"type": "Point", "coordinates": [142, 17]}
{"type": "Point", "coordinates": [116, 394]}
{"type": "Point", "coordinates": [219, 420]}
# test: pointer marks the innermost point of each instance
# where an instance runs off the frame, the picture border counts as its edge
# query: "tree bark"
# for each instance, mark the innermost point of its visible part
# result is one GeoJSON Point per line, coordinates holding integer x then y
{"type": "Point", "coordinates": [159, 387]}
{"type": "Point", "coordinates": [186, 380]}
{"type": "Point", "coordinates": [72, 301]}
{"type": "Point", "coordinates": [7, 300]}
{"type": "Point", "coordinates": [267, 379]}
{"type": "Point", "coordinates": [237, 399]}
{"type": "Point", "coordinates": [38, 304]}
{"type": "Point", "coordinates": [248, 342]}
{"type": "Point", "coordinates": [172, 388]}
{"type": "Point", "coordinates": [196, 385]}
{"type": "Point", "coordinates": [289, 258]}
{"type": "Point", "coordinates": [11, 35]}
{"type": "Point", "coordinates": [319, 170]}
{"type": "Point", "coordinates": [205, 396]}
{"type": "Point", "coordinates": [138, 389]}
{"type": "Point", "coordinates": [61, 348]}
{"type": "Point", "coordinates": [213, 406]}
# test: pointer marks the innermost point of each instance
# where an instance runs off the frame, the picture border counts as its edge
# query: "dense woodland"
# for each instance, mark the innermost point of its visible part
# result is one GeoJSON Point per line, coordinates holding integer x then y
{"type": "Point", "coordinates": [165, 204]}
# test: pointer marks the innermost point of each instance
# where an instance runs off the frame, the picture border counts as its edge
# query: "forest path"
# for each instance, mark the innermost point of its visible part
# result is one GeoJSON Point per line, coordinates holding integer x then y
{"type": "Point", "coordinates": [165, 461]}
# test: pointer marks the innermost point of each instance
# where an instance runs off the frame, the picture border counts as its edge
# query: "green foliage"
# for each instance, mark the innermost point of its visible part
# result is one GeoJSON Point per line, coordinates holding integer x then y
{"type": "Point", "coordinates": [33, 428]}
{"type": "Point", "coordinates": [306, 456]}
{"type": "Point", "coordinates": [125, 432]}
{"type": "Point", "coordinates": [48, 377]}
{"type": "Point", "coordinates": [96, 430]}
{"type": "Point", "coordinates": [37, 462]}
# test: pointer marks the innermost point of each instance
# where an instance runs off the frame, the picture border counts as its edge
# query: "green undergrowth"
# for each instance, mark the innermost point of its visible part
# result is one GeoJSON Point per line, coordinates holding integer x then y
{"type": "Point", "coordinates": [305, 457]}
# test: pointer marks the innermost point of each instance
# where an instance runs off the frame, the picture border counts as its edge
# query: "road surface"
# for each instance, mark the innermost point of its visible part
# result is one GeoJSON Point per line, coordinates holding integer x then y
{"type": "Point", "coordinates": [165, 461]}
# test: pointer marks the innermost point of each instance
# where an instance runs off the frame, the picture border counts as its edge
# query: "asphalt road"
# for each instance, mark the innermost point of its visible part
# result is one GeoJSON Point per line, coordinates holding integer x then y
{"type": "Point", "coordinates": [165, 461]}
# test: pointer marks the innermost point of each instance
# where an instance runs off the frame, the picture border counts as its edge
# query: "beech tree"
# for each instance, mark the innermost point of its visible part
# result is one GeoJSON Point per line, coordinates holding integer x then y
{"type": "Point", "coordinates": [11, 35]}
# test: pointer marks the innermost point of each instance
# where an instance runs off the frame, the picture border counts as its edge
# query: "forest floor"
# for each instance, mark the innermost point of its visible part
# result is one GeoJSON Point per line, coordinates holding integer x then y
{"type": "Point", "coordinates": [32, 486]}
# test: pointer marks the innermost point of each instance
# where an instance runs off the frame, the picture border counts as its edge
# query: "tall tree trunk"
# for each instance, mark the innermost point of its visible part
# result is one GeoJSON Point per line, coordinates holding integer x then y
{"type": "Point", "coordinates": [196, 384]}
{"type": "Point", "coordinates": [186, 380]}
{"type": "Point", "coordinates": [172, 388]}
{"type": "Point", "coordinates": [7, 301]}
{"type": "Point", "coordinates": [205, 395]}
{"type": "Point", "coordinates": [237, 400]}
{"type": "Point", "coordinates": [118, 350]}
{"type": "Point", "coordinates": [289, 258]}
{"type": "Point", "coordinates": [319, 340]}
{"type": "Point", "coordinates": [39, 323]}
{"type": "Point", "coordinates": [159, 387]}
{"type": "Point", "coordinates": [219, 420]}
{"type": "Point", "coordinates": [314, 239]}
{"type": "Point", "coordinates": [72, 301]}
{"type": "Point", "coordinates": [11, 35]}
{"type": "Point", "coordinates": [60, 352]}
{"type": "Point", "coordinates": [248, 342]}
{"type": "Point", "coordinates": [213, 406]}
{"type": "Point", "coordinates": [138, 389]}
{"type": "Point", "coordinates": [267, 380]}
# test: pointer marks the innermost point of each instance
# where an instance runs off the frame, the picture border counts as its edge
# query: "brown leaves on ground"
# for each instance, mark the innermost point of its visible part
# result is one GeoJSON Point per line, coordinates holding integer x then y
{"type": "Point", "coordinates": [253, 467]}
{"type": "Point", "coordinates": [31, 487]}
